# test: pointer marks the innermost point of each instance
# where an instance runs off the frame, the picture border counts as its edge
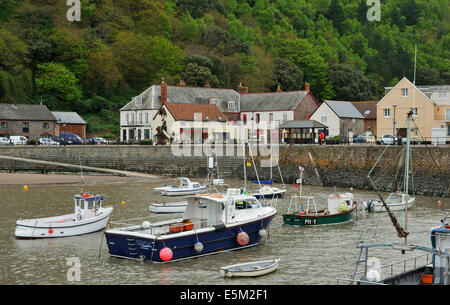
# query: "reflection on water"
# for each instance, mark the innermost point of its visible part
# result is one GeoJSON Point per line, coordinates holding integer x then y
{"type": "Point", "coordinates": [309, 255]}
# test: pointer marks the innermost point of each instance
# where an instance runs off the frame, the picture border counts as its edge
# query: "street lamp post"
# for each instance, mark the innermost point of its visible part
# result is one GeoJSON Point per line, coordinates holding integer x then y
{"type": "Point", "coordinates": [393, 121]}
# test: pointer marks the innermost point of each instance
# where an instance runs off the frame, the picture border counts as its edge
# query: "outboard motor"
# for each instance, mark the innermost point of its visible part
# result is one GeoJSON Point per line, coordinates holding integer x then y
{"type": "Point", "coordinates": [369, 205]}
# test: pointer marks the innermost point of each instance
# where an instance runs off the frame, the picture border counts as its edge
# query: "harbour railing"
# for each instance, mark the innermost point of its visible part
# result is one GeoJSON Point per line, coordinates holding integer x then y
{"type": "Point", "coordinates": [386, 272]}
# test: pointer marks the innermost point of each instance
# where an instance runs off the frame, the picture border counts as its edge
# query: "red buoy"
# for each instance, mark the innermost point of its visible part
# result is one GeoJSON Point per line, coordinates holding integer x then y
{"type": "Point", "coordinates": [50, 231]}
{"type": "Point", "coordinates": [242, 238]}
{"type": "Point", "coordinates": [166, 254]}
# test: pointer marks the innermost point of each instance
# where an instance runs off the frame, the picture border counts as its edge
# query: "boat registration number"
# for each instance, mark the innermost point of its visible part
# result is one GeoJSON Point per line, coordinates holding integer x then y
{"type": "Point", "coordinates": [310, 221]}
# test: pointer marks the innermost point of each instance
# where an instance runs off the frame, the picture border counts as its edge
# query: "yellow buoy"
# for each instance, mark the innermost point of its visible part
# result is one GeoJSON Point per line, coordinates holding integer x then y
{"type": "Point", "coordinates": [25, 187]}
{"type": "Point", "coordinates": [123, 202]}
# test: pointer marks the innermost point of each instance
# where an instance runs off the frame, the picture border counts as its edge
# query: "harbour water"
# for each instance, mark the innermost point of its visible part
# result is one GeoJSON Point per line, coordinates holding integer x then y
{"type": "Point", "coordinates": [308, 255]}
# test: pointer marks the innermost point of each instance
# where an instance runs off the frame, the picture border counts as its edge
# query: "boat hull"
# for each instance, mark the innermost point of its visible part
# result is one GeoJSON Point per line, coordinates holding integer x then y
{"type": "Point", "coordinates": [55, 230]}
{"type": "Point", "coordinates": [249, 269]}
{"type": "Point", "coordinates": [182, 192]}
{"type": "Point", "coordinates": [277, 194]}
{"type": "Point", "coordinates": [377, 206]}
{"type": "Point", "coordinates": [297, 219]}
{"type": "Point", "coordinates": [218, 239]}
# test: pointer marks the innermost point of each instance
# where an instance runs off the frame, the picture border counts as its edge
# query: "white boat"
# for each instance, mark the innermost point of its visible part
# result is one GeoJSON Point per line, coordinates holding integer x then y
{"type": "Point", "coordinates": [395, 202]}
{"type": "Point", "coordinates": [268, 192]}
{"type": "Point", "coordinates": [186, 187]}
{"type": "Point", "coordinates": [89, 216]}
{"type": "Point", "coordinates": [250, 269]}
{"type": "Point", "coordinates": [168, 207]}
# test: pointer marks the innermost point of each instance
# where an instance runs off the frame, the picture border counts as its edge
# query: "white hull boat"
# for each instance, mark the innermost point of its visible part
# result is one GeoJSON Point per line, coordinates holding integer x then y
{"type": "Point", "coordinates": [268, 192]}
{"type": "Point", "coordinates": [250, 269]}
{"type": "Point", "coordinates": [395, 202]}
{"type": "Point", "coordinates": [186, 187]}
{"type": "Point", "coordinates": [168, 207]}
{"type": "Point", "coordinates": [89, 217]}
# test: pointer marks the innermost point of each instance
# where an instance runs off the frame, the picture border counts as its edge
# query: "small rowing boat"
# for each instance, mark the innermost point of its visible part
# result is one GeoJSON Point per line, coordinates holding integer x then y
{"type": "Point", "coordinates": [250, 269]}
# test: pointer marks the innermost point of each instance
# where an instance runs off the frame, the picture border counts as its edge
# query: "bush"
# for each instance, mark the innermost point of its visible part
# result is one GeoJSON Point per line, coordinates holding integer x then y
{"type": "Point", "coordinates": [146, 142]}
{"type": "Point", "coordinates": [32, 141]}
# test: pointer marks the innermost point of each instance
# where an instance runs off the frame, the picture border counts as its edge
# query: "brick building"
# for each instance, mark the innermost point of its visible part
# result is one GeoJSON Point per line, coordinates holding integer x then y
{"type": "Point", "coordinates": [69, 122]}
{"type": "Point", "coordinates": [31, 121]}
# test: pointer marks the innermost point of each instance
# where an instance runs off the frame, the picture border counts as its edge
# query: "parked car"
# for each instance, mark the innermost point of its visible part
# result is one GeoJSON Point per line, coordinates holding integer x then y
{"type": "Point", "coordinates": [60, 140]}
{"type": "Point", "coordinates": [18, 140]}
{"type": "Point", "coordinates": [5, 141]}
{"type": "Point", "coordinates": [47, 141]}
{"type": "Point", "coordinates": [71, 138]}
{"type": "Point", "coordinates": [388, 139]}
{"type": "Point", "coordinates": [101, 141]}
{"type": "Point", "coordinates": [359, 139]}
{"type": "Point", "coordinates": [89, 141]}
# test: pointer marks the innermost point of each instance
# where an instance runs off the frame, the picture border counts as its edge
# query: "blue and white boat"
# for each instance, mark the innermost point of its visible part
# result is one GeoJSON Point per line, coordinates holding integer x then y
{"type": "Point", "coordinates": [211, 223]}
{"type": "Point", "coordinates": [268, 192]}
{"type": "Point", "coordinates": [186, 187]}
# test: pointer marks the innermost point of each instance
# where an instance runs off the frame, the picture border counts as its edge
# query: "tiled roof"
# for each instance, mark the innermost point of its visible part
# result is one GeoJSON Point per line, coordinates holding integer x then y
{"type": "Point", "coordinates": [367, 109]}
{"type": "Point", "coordinates": [25, 112]}
{"type": "Point", "coordinates": [271, 101]}
{"type": "Point", "coordinates": [186, 112]}
{"type": "Point", "coordinates": [344, 109]}
{"type": "Point", "coordinates": [68, 117]}
{"type": "Point", "coordinates": [303, 124]}
{"type": "Point", "coordinates": [151, 98]}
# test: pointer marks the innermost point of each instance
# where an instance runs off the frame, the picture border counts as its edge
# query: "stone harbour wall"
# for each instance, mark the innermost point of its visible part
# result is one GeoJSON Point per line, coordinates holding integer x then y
{"type": "Point", "coordinates": [342, 166]}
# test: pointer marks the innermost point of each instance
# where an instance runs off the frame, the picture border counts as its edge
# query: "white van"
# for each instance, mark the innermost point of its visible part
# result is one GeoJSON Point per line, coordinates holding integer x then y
{"type": "Point", "coordinates": [18, 140]}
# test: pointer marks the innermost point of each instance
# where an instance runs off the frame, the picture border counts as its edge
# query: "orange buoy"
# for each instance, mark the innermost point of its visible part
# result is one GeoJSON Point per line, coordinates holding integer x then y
{"type": "Point", "coordinates": [242, 238]}
{"type": "Point", "coordinates": [166, 254]}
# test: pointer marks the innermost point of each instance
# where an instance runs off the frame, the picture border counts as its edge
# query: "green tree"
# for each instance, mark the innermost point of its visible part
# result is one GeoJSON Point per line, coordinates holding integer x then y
{"type": "Point", "coordinates": [287, 75]}
{"type": "Point", "coordinates": [349, 84]}
{"type": "Point", "coordinates": [103, 74]}
{"type": "Point", "coordinates": [55, 79]}
{"type": "Point", "coordinates": [197, 76]}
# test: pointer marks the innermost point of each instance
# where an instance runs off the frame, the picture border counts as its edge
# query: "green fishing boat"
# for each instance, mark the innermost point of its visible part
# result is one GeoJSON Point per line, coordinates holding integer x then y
{"type": "Point", "coordinates": [303, 210]}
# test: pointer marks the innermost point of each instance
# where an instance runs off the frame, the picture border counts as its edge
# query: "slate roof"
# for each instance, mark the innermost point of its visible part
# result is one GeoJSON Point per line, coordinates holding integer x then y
{"type": "Point", "coordinates": [367, 109]}
{"type": "Point", "coordinates": [25, 112]}
{"type": "Point", "coordinates": [151, 98]}
{"type": "Point", "coordinates": [344, 109]}
{"type": "Point", "coordinates": [186, 112]}
{"type": "Point", "coordinates": [68, 117]}
{"type": "Point", "coordinates": [271, 101]}
{"type": "Point", "coordinates": [303, 124]}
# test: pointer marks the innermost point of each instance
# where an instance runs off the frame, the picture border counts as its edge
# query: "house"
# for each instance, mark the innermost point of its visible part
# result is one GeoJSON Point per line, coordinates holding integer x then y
{"type": "Point", "coordinates": [341, 117]}
{"type": "Point", "coordinates": [368, 109]}
{"type": "Point", "coordinates": [70, 122]}
{"type": "Point", "coordinates": [136, 116]}
{"type": "Point", "coordinates": [259, 108]}
{"type": "Point", "coordinates": [430, 106]}
{"type": "Point", "coordinates": [31, 121]}
{"type": "Point", "coordinates": [188, 123]}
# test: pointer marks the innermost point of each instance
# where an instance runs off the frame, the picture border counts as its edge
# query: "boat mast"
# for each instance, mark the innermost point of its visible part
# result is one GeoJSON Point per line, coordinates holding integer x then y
{"type": "Point", "coordinates": [407, 173]}
{"type": "Point", "coordinates": [243, 159]}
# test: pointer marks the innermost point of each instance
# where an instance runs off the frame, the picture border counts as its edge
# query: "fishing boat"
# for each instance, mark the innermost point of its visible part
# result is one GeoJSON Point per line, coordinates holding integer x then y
{"type": "Point", "coordinates": [211, 224]}
{"type": "Point", "coordinates": [303, 211]}
{"type": "Point", "coordinates": [168, 207]}
{"type": "Point", "coordinates": [89, 216]}
{"type": "Point", "coordinates": [250, 269]}
{"type": "Point", "coordinates": [268, 192]}
{"type": "Point", "coordinates": [431, 267]}
{"type": "Point", "coordinates": [186, 187]}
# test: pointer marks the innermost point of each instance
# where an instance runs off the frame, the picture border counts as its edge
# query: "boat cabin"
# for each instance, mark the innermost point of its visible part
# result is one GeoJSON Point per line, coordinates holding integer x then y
{"type": "Point", "coordinates": [338, 203]}
{"type": "Point", "coordinates": [87, 205]}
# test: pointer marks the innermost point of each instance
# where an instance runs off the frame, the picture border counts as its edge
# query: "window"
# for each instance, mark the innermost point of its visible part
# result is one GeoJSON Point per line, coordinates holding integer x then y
{"type": "Point", "coordinates": [45, 125]}
{"type": "Point", "coordinates": [127, 118]}
{"type": "Point", "coordinates": [124, 135]}
{"type": "Point", "coordinates": [231, 105]}
{"type": "Point", "coordinates": [387, 113]}
{"type": "Point", "coordinates": [442, 94]}
{"type": "Point", "coordinates": [257, 118]}
{"type": "Point", "coordinates": [414, 111]}
{"type": "Point", "coordinates": [246, 204]}
{"type": "Point", "coordinates": [353, 120]}
{"type": "Point", "coordinates": [25, 127]}
{"type": "Point", "coordinates": [244, 119]}
{"type": "Point", "coordinates": [146, 134]}
{"type": "Point", "coordinates": [284, 118]}
{"type": "Point", "coordinates": [448, 129]}
{"type": "Point", "coordinates": [405, 92]}
{"type": "Point", "coordinates": [146, 118]}
{"type": "Point", "coordinates": [4, 124]}
{"type": "Point", "coordinates": [140, 118]}
{"type": "Point", "coordinates": [132, 118]}
{"type": "Point", "coordinates": [270, 117]}
{"type": "Point", "coordinates": [323, 119]}
{"type": "Point", "coordinates": [447, 114]}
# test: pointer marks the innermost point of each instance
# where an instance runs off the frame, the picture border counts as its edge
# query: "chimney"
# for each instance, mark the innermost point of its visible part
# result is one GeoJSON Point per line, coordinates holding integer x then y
{"type": "Point", "coordinates": [242, 89]}
{"type": "Point", "coordinates": [307, 87]}
{"type": "Point", "coordinates": [163, 92]}
{"type": "Point", "coordinates": [207, 85]}
{"type": "Point", "coordinates": [279, 89]}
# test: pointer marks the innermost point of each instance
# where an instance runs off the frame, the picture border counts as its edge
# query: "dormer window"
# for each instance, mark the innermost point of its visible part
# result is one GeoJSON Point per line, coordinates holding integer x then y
{"type": "Point", "coordinates": [231, 105]}
{"type": "Point", "coordinates": [442, 94]}
{"type": "Point", "coordinates": [404, 92]}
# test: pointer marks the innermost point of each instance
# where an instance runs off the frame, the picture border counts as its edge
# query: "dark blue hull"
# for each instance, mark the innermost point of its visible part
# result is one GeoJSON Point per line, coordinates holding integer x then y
{"type": "Point", "coordinates": [221, 239]}
{"type": "Point", "coordinates": [268, 196]}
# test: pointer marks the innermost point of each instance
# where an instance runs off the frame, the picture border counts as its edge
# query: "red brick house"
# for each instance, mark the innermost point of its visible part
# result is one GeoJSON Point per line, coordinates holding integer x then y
{"type": "Point", "coordinates": [69, 122]}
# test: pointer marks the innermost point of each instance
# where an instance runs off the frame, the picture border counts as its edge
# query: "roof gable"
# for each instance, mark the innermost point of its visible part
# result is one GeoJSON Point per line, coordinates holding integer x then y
{"type": "Point", "coordinates": [68, 117]}
{"type": "Point", "coordinates": [272, 100]}
{"type": "Point", "coordinates": [188, 112]}
{"type": "Point", "coordinates": [25, 112]}
{"type": "Point", "coordinates": [344, 109]}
